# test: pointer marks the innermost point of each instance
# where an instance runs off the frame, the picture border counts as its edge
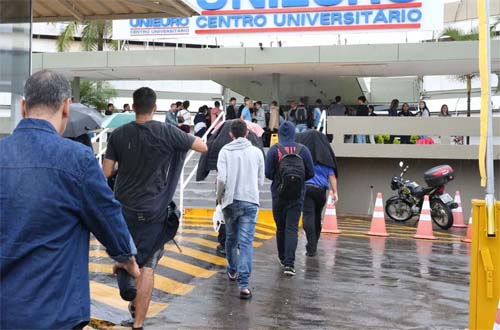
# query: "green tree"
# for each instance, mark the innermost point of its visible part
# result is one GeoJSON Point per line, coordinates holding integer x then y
{"type": "Point", "coordinates": [94, 35]}
{"type": "Point", "coordinates": [96, 94]}
{"type": "Point", "coordinates": [455, 34]}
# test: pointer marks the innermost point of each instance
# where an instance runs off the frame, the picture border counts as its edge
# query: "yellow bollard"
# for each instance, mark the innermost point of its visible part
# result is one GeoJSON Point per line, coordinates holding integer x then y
{"type": "Point", "coordinates": [274, 139]}
{"type": "Point", "coordinates": [485, 268]}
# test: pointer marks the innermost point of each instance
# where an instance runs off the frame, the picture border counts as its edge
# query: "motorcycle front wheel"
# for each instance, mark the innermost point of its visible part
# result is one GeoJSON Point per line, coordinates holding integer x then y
{"type": "Point", "coordinates": [398, 209]}
{"type": "Point", "coordinates": [441, 214]}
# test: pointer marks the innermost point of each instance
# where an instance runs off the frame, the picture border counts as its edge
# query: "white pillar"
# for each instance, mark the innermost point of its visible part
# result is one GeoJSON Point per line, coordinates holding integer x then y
{"type": "Point", "coordinates": [275, 91]}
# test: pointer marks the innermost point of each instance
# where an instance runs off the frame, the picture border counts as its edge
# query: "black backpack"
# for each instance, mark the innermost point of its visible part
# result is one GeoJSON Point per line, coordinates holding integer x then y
{"type": "Point", "coordinates": [291, 174]}
{"type": "Point", "coordinates": [301, 115]}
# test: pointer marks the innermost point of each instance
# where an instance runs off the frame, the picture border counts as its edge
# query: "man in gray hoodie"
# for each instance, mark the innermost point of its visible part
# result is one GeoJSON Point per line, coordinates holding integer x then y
{"type": "Point", "coordinates": [240, 169]}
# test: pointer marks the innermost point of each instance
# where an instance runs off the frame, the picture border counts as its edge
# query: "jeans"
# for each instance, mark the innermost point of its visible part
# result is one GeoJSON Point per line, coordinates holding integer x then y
{"type": "Point", "coordinates": [286, 215]}
{"type": "Point", "coordinates": [361, 139]}
{"type": "Point", "coordinates": [314, 203]}
{"type": "Point", "coordinates": [300, 128]}
{"type": "Point", "coordinates": [241, 218]}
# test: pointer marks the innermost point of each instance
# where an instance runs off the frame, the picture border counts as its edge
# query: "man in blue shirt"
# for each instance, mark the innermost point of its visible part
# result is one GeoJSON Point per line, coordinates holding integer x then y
{"type": "Point", "coordinates": [325, 178]}
{"type": "Point", "coordinates": [246, 113]}
{"type": "Point", "coordinates": [52, 195]}
{"type": "Point", "coordinates": [317, 113]}
{"type": "Point", "coordinates": [314, 202]}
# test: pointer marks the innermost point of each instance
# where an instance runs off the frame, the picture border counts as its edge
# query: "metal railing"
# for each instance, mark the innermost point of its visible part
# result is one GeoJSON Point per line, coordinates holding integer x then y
{"type": "Point", "coordinates": [322, 123]}
{"type": "Point", "coordinates": [221, 118]}
{"type": "Point", "coordinates": [100, 138]}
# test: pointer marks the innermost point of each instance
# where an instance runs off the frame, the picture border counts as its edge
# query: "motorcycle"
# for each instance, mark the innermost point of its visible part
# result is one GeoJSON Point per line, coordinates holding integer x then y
{"type": "Point", "coordinates": [408, 202]}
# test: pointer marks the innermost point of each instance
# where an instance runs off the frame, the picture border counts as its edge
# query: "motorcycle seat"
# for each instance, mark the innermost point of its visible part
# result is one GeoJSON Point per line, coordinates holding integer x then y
{"type": "Point", "coordinates": [421, 191]}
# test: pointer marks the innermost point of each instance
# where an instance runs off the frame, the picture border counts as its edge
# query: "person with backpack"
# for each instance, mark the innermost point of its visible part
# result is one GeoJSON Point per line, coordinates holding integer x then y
{"type": "Point", "coordinates": [302, 118]}
{"type": "Point", "coordinates": [289, 165]}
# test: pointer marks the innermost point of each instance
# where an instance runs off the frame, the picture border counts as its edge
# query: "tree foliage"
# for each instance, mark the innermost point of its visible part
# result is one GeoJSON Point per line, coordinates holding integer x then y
{"type": "Point", "coordinates": [95, 35]}
{"type": "Point", "coordinates": [96, 94]}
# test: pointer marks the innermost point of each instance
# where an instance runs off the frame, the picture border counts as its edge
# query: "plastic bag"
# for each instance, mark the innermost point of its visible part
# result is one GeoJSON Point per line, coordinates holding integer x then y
{"type": "Point", "coordinates": [218, 218]}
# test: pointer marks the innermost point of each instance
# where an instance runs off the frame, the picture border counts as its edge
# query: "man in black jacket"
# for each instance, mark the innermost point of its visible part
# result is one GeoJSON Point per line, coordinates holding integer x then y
{"type": "Point", "coordinates": [231, 109]}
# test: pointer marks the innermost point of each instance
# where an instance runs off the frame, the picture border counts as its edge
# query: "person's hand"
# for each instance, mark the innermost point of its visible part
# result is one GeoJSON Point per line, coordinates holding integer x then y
{"type": "Point", "coordinates": [130, 266]}
{"type": "Point", "coordinates": [335, 197]}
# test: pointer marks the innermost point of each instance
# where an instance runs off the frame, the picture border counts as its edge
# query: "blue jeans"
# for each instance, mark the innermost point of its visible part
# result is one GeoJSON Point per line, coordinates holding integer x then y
{"type": "Point", "coordinates": [301, 128]}
{"type": "Point", "coordinates": [241, 218]}
{"type": "Point", "coordinates": [361, 139]}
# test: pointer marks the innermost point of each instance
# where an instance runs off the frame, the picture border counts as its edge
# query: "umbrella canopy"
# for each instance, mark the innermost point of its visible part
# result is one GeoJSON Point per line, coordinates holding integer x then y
{"type": "Point", "coordinates": [252, 127]}
{"type": "Point", "coordinates": [321, 150]}
{"type": "Point", "coordinates": [208, 161]}
{"type": "Point", "coordinates": [118, 119]}
{"type": "Point", "coordinates": [82, 119]}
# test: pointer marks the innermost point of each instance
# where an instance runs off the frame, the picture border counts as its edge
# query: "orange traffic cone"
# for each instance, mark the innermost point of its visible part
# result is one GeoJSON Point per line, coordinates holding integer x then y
{"type": "Point", "coordinates": [496, 326]}
{"type": "Point", "coordinates": [330, 222]}
{"type": "Point", "coordinates": [378, 220]}
{"type": "Point", "coordinates": [458, 214]}
{"type": "Point", "coordinates": [468, 236]}
{"type": "Point", "coordinates": [424, 229]}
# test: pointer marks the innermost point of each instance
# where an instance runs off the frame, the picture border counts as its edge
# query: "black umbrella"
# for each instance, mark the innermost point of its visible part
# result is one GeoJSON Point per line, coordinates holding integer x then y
{"type": "Point", "coordinates": [82, 119]}
{"type": "Point", "coordinates": [321, 150]}
{"type": "Point", "coordinates": [208, 161]}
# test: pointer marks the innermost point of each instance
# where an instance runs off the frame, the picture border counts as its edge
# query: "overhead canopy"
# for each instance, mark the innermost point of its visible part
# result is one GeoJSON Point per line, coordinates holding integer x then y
{"type": "Point", "coordinates": [86, 10]}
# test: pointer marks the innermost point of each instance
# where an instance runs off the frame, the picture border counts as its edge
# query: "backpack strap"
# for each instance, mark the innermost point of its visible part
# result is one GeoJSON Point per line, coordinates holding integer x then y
{"type": "Point", "coordinates": [282, 149]}
{"type": "Point", "coordinates": [298, 149]}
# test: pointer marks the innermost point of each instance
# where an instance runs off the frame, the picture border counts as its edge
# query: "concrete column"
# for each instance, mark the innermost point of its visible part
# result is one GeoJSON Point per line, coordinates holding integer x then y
{"type": "Point", "coordinates": [75, 88]}
{"type": "Point", "coordinates": [275, 92]}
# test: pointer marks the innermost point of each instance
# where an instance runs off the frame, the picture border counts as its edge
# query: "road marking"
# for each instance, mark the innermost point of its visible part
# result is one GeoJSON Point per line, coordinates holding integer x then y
{"type": "Point", "coordinates": [206, 225]}
{"type": "Point", "coordinates": [207, 243]}
{"type": "Point", "coordinates": [111, 296]}
{"type": "Point", "coordinates": [171, 286]}
{"type": "Point", "coordinates": [162, 283]}
{"type": "Point", "coordinates": [215, 234]}
{"type": "Point", "coordinates": [200, 255]}
{"type": "Point", "coordinates": [186, 268]}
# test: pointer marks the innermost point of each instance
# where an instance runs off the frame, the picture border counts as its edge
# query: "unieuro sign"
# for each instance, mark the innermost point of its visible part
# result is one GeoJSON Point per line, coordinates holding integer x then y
{"type": "Point", "coordinates": [261, 4]}
{"type": "Point", "coordinates": [219, 17]}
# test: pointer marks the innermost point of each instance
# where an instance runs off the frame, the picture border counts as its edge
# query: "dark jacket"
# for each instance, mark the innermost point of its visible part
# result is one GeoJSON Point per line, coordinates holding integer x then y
{"type": "Point", "coordinates": [362, 111]}
{"type": "Point", "coordinates": [231, 113]}
{"type": "Point", "coordinates": [52, 195]}
{"type": "Point", "coordinates": [287, 139]}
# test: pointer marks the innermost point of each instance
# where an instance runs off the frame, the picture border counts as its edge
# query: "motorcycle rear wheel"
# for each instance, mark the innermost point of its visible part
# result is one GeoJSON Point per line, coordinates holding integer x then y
{"type": "Point", "coordinates": [398, 209]}
{"type": "Point", "coordinates": [441, 214]}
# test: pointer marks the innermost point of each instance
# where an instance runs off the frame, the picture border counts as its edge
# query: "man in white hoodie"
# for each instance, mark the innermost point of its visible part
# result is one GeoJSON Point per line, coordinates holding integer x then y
{"type": "Point", "coordinates": [240, 169]}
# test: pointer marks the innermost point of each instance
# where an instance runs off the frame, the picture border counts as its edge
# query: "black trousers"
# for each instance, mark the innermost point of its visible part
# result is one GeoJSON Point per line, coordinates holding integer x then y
{"type": "Point", "coordinates": [286, 215]}
{"type": "Point", "coordinates": [314, 203]}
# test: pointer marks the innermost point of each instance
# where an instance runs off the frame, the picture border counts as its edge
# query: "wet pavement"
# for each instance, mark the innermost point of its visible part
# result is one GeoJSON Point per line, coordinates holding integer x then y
{"type": "Point", "coordinates": [355, 282]}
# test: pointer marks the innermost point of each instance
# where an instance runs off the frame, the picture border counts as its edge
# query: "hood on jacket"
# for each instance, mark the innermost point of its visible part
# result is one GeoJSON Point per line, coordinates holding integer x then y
{"type": "Point", "coordinates": [286, 132]}
{"type": "Point", "coordinates": [238, 144]}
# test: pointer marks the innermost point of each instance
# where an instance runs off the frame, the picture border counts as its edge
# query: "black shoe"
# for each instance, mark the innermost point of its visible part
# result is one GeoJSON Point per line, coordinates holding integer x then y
{"type": "Point", "coordinates": [245, 294]}
{"type": "Point", "coordinates": [220, 251]}
{"type": "Point", "coordinates": [232, 277]}
{"type": "Point", "coordinates": [127, 323]}
{"type": "Point", "coordinates": [311, 254]}
{"type": "Point", "coordinates": [290, 271]}
{"type": "Point", "coordinates": [282, 263]}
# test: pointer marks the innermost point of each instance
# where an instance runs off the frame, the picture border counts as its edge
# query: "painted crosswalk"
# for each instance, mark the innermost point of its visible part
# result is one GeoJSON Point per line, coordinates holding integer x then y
{"type": "Point", "coordinates": [176, 272]}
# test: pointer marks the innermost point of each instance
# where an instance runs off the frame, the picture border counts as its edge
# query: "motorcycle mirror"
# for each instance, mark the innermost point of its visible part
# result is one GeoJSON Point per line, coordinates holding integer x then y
{"type": "Point", "coordinates": [401, 164]}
